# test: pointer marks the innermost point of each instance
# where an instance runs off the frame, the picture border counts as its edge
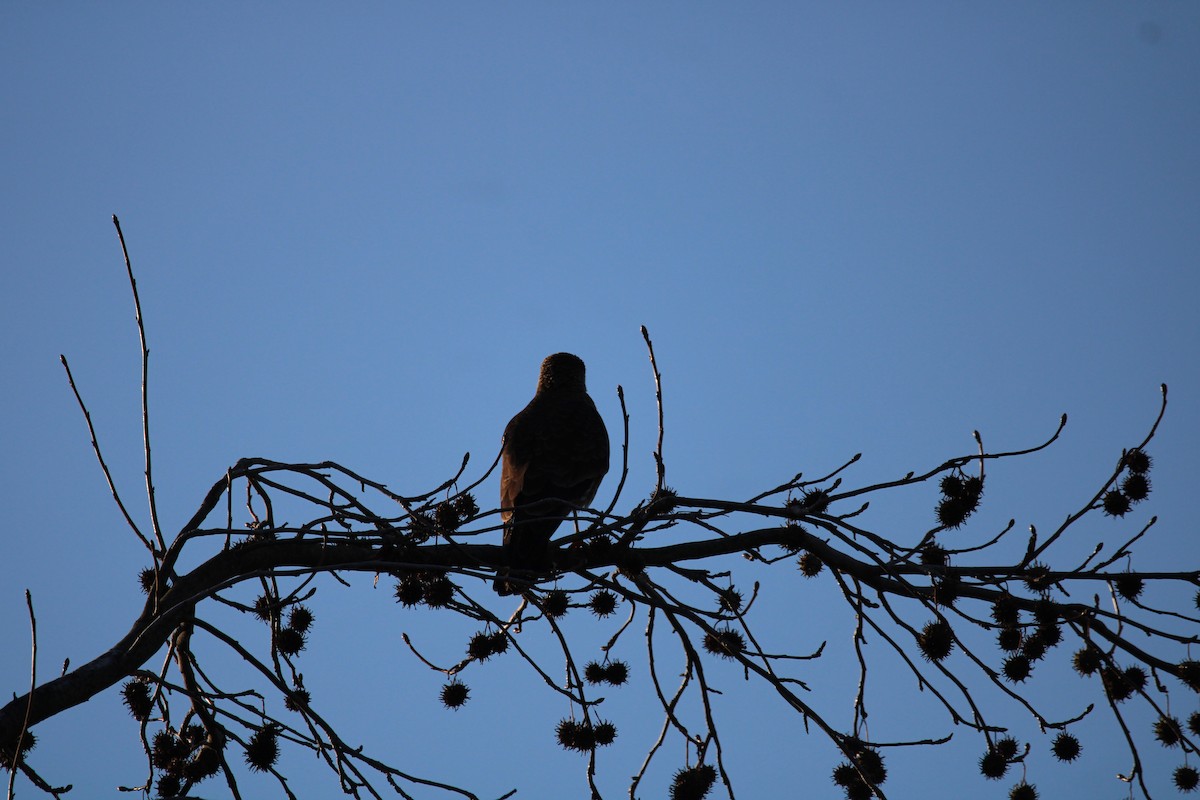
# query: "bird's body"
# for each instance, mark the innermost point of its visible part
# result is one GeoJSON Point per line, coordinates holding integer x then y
{"type": "Point", "coordinates": [554, 457]}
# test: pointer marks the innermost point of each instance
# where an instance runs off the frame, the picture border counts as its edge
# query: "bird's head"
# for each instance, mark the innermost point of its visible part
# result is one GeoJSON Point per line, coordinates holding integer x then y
{"type": "Point", "coordinates": [562, 371]}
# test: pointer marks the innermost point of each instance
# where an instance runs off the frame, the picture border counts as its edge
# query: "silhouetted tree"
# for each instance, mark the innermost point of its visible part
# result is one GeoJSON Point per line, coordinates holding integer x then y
{"type": "Point", "coordinates": [955, 617]}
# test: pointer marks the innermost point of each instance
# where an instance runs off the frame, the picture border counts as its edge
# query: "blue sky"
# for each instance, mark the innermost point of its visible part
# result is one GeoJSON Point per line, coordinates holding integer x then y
{"type": "Point", "coordinates": [357, 230]}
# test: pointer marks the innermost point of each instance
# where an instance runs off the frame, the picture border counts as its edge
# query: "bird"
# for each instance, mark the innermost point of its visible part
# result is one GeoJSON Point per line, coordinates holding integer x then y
{"type": "Point", "coordinates": [554, 455]}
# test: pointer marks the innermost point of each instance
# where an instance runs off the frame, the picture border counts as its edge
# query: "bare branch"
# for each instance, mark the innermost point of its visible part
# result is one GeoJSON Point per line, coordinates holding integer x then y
{"type": "Point", "coordinates": [137, 308]}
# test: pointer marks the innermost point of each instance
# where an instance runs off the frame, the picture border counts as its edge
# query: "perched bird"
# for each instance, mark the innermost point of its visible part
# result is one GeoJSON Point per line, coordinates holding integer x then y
{"type": "Point", "coordinates": [554, 456]}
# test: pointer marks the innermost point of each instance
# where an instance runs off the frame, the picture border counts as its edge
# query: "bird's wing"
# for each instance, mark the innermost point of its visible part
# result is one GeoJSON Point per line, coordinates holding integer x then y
{"type": "Point", "coordinates": [554, 448]}
{"type": "Point", "coordinates": [512, 482]}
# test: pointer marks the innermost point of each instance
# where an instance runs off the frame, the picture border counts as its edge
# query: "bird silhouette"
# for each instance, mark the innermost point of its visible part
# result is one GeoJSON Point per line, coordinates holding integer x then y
{"type": "Point", "coordinates": [554, 456]}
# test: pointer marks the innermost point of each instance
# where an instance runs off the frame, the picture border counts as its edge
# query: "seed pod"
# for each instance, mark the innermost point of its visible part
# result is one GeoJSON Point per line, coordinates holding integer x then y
{"type": "Point", "coordinates": [1066, 747]}
{"type": "Point", "coordinates": [455, 694]}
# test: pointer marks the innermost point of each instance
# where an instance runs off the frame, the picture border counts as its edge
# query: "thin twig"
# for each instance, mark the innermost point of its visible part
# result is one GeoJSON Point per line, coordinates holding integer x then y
{"type": "Point", "coordinates": [659, 464]}
{"type": "Point", "coordinates": [18, 749]}
{"type": "Point", "coordinates": [137, 308]}
{"type": "Point", "coordinates": [112, 487]}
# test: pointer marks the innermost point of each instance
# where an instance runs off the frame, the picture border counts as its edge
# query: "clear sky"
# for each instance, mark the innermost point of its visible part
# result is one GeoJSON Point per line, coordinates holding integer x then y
{"type": "Point", "coordinates": [851, 227]}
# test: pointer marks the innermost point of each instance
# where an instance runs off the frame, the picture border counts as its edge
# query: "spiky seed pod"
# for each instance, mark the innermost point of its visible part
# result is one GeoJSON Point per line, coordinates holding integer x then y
{"type": "Point", "coordinates": [1037, 578]}
{"type": "Point", "coordinates": [574, 735]}
{"type": "Point", "coordinates": [1186, 778]}
{"type": "Point", "coordinates": [1087, 660]}
{"type": "Point", "coordinates": [439, 591]}
{"type": "Point", "coordinates": [605, 733]}
{"type": "Point", "coordinates": [810, 565]}
{"type": "Point", "coordinates": [993, 765]}
{"type": "Point", "coordinates": [960, 502]}
{"type": "Point", "coordinates": [166, 749]}
{"type": "Point", "coordinates": [446, 516]}
{"type": "Point", "coordinates": [1194, 723]}
{"type": "Point", "coordinates": [594, 672]}
{"type": "Point", "coordinates": [565, 733]}
{"type": "Point", "coordinates": [936, 640]}
{"type": "Point", "coordinates": [934, 555]}
{"type": "Point", "coordinates": [1009, 639]}
{"type": "Point", "coordinates": [585, 737]}
{"type": "Point", "coordinates": [1017, 668]}
{"type": "Point", "coordinates": [600, 547]}
{"type": "Point", "coordinates": [1189, 673]}
{"type": "Point", "coordinates": [859, 791]}
{"type": "Point", "coordinates": [1138, 461]}
{"type": "Point", "coordinates": [952, 512]}
{"type": "Point", "coordinates": [603, 603]}
{"type": "Point", "coordinates": [555, 604]}
{"type": "Point", "coordinates": [146, 579]}
{"type": "Point", "coordinates": [421, 527]}
{"type": "Point", "coordinates": [664, 500]}
{"type": "Point", "coordinates": [1135, 677]}
{"type": "Point", "coordinates": [204, 764]}
{"type": "Point", "coordinates": [455, 694]}
{"type": "Point", "coordinates": [729, 600]}
{"type": "Point", "coordinates": [1196, 599]}
{"type": "Point", "coordinates": [693, 783]}
{"type": "Point", "coordinates": [1023, 791]}
{"type": "Point", "coordinates": [794, 506]}
{"type": "Point", "coordinates": [265, 607]}
{"type": "Point", "coordinates": [1051, 635]}
{"type": "Point", "coordinates": [946, 590]}
{"type": "Point", "coordinates": [816, 501]}
{"type": "Point", "coordinates": [1128, 585]}
{"type": "Point", "coordinates": [479, 647]}
{"type": "Point", "coordinates": [1115, 504]}
{"type": "Point", "coordinates": [1005, 610]}
{"type": "Point", "coordinates": [289, 641]}
{"type": "Point", "coordinates": [1168, 732]}
{"type": "Point", "coordinates": [1007, 746]}
{"type": "Point", "coordinates": [725, 642]}
{"type": "Point", "coordinates": [194, 735]}
{"type": "Point", "coordinates": [168, 786]}
{"type": "Point", "coordinates": [1045, 612]}
{"type": "Point", "coordinates": [1115, 684]}
{"type": "Point", "coordinates": [951, 485]}
{"type": "Point", "coordinates": [616, 673]}
{"type": "Point", "coordinates": [27, 743]}
{"type": "Point", "coordinates": [973, 489]}
{"type": "Point", "coordinates": [845, 774]}
{"type": "Point", "coordinates": [410, 590]}
{"type": "Point", "coordinates": [262, 751]}
{"type": "Point", "coordinates": [136, 695]}
{"type": "Point", "coordinates": [1136, 487]}
{"type": "Point", "coordinates": [870, 764]}
{"type": "Point", "coordinates": [300, 618]}
{"type": "Point", "coordinates": [1033, 648]}
{"type": "Point", "coordinates": [795, 543]}
{"type": "Point", "coordinates": [466, 506]}
{"type": "Point", "coordinates": [297, 699]}
{"type": "Point", "coordinates": [499, 642]}
{"type": "Point", "coordinates": [1065, 747]}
